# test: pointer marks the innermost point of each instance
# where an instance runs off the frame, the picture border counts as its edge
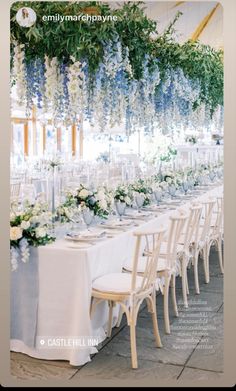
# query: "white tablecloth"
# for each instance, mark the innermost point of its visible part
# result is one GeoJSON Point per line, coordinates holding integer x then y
{"type": "Point", "coordinates": [65, 283]}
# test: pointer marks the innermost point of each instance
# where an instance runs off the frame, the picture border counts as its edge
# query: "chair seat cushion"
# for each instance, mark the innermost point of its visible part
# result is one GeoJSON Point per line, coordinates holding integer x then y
{"type": "Point", "coordinates": [116, 282]}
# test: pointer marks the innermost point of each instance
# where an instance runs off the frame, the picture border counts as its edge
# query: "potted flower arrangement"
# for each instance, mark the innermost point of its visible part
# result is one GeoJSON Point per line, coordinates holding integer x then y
{"type": "Point", "coordinates": [30, 227]}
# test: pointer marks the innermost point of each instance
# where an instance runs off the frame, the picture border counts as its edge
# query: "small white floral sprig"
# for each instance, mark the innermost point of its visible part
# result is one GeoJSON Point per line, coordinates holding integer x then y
{"type": "Point", "coordinates": [50, 163]}
{"type": "Point", "coordinates": [30, 227]}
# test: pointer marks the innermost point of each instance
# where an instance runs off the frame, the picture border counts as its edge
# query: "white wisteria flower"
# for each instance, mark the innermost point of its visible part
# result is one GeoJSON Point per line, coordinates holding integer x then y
{"type": "Point", "coordinates": [24, 250]}
{"type": "Point", "coordinates": [14, 258]}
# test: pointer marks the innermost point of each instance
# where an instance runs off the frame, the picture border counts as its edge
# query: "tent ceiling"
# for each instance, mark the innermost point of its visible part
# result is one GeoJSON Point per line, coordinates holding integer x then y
{"type": "Point", "coordinates": [207, 15]}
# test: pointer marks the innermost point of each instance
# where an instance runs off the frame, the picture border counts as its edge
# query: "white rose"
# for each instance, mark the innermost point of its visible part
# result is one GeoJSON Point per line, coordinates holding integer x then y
{"type": "Point", "coordinates": [40, 232]}
{"type": "Point", "coordinates": [15, 233]}
{"type": "Point", "coordinates": [25, 224]}
{"type": "Point", "coordinates": [83, 193]}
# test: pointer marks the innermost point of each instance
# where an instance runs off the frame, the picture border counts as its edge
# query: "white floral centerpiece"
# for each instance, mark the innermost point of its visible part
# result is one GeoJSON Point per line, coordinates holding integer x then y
{"type": "Point", "coordinates": [142, 187]}
{"type": "Point", "coordinates": [123, 194]}
{"type": "Point", "coordinates": [30, 227]}
{"type": "Point", "coordinates": [99, 202]}
{"type": "Point", "coordinates": [65, 212]}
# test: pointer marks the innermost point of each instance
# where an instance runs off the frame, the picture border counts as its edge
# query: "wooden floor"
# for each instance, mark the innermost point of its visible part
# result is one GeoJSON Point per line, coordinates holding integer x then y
{"type": "Point", "coordinates": [183, 356]}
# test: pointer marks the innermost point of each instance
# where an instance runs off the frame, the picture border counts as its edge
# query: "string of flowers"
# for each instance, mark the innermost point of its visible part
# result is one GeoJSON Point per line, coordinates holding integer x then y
{"type": "Point", "coordinates": [113, 96]}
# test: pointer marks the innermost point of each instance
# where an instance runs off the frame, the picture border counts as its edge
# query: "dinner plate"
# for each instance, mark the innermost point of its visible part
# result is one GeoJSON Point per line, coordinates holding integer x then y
{"type": "Point", "coordinates": [87, 236]}
{"type": "Point", "coordinates": [137, 215]}
{"type": "Point", "coordinates": [113, 232]}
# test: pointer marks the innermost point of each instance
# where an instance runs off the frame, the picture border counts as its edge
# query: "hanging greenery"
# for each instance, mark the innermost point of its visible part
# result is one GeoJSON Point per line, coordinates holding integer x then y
{"type": "Point", "coordinates": [114, 71]}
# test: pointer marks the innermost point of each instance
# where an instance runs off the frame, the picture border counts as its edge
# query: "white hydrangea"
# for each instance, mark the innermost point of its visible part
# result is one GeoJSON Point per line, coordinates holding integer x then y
{"type": "Point", "coordinates": [40, 232]}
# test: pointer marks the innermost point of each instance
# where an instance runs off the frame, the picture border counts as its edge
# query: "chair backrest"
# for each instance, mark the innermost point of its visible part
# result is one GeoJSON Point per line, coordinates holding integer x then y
{"type": "Point", "coordinates": [176, 227]}
{"type": "Point", "coordinates": [208, 206]}
{"type": "Point", "coordinates": [193, 224]}
{"type": "Point", "coordinates": [153, 242]}
{"type": "Point", "coordinates": [15, 189]}
{"type": "Point", "coordinates": [218, 224]}
{"type": "Point", "coordinates": [40, 185]}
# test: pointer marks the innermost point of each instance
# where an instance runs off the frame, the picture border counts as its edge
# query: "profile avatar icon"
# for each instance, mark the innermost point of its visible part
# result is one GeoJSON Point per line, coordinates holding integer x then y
{"type": "Point", "coordinates": [26, 17]}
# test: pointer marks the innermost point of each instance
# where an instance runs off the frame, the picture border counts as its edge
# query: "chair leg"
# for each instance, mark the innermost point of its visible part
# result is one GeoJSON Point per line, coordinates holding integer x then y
{"type": "Point", "coordinates": [134, 359]}
{"type": "Point", "coordinates": [204, 258]}
{"type": "Point", "coordinates": [187, 287]}
{"type": "Point", "coordinates": [109, 329]}
{"type": "Point", "coordinates": [155, 321]}
{"type": "Point", "coordinates": [184, 284]}
{"type": "Point", "coordinates": [166, 304]}
{"type": "Point", "coordinates": [173, 295]}
{"type": "Point", "coordinates": [196, 273]}
{"type": "Point", "coordinates": [91, 307]}
{"type": "Point", "coordinates": [206, 252]}
{"type": "Point", "coordinates": [219, 246]}
{"type": "Point", "coordinates": [208, 263]}
{"type": "Point", "coordinates": [120, 316]}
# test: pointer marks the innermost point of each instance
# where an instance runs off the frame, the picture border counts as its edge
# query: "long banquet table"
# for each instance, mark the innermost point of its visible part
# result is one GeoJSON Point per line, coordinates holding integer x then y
{"type": "Point", "coordinates": [64, 330]}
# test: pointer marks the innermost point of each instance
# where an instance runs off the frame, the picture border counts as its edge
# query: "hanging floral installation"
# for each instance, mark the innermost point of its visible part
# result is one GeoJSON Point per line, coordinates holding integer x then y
{"type": "Point", "coordinates": [114, 73]}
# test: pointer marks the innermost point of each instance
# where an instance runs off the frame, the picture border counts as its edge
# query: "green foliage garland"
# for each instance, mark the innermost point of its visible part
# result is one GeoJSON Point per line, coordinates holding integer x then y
{"type": "Point", "coordinates": [85, 40]}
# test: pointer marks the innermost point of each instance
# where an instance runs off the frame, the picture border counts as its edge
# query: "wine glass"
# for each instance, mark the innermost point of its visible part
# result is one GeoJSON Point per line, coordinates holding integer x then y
{"type": "Point", "coordinates": [158, 196]}
{"type": "Point", "coordinates": [139, 199]}
{"type": "Point", "coordinates": [212, 175]}
{"type": "Point", "coordinates": [88, 216]}
{"type": "Point", "coordinates": [120, 208]}
{"type": "Point", "coordinates": [185, 187]}
{"type": "Point", "coordinates": [75, 219]}
{"type": "Point", "coordinates": [172, 190]}
{"type": "Point", "coordinates": [200, 180]}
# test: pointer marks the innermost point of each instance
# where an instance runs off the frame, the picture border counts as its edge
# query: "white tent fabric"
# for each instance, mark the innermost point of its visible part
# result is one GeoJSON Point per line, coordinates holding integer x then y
{"type": "Point", "coordinates": [206, 16]}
